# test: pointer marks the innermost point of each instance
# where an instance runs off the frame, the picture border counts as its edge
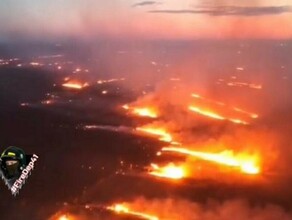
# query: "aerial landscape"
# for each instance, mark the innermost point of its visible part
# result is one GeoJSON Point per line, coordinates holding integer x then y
{"type": "Point", "coordinates": [148, 110]}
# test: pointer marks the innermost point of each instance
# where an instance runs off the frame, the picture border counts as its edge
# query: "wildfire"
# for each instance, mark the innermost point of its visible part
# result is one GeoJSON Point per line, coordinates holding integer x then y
{"type": "Point", "coordinates": [247, 164]}
{"type": "Point", "coordinates": [145, 112]}
{"type": "Point", "coordinates": [61, 216]}
{"type": "Point", "coordinates": [215, 115]}
{"type": "Point", "coordinates": [109, 80]}
{"type": "Point", "coordinates": [123, 209]}
{"type": "Point", "coordinates": [194, 95]}
{"type": "Point", "coordinates": [142, 111]}
{"type": "Point", "coordinates": [170, 171]}
{"type": "Point", "coordinates": [244, 84]}
{"type": "Point", "coordinates": [75, 85]}
{"type": "Point", "coordinates": [64, 217]}
{"type": "Point", "coordinates": [238, 121]}
{"type": "Point", "coordinates": [252, 115]}
{"type": "Point", "coordinates": [206, 113]}
{"type": "Point", "coordinates": [164, 136]}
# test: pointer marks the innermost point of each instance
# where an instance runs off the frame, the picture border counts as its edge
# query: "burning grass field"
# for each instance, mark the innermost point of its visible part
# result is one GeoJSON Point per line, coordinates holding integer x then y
{"type": "Point", "coordinates": [171, 150]}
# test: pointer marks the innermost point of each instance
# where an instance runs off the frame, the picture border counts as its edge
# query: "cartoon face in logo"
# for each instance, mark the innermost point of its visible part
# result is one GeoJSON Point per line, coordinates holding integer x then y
{"type": "Point", "coordinates": [15, 168]}
{"type": "Point", "coordinates": [13, 161]}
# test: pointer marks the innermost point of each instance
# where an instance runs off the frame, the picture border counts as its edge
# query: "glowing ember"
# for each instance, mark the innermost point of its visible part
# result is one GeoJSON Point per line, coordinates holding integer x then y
{"type": "Point", "coordinates": [194, 95]}
{"type": "Point", "coordinates": [240, 68]}
{"type": "Point", "coordinates": [109, 80]}
{"type": "Point", "coordinates": [247, 164]}
{"type": "Point", "coordinates": [126, 107]}
{"type": "Point", "coordinates": [122, 209]}
{"type": "Point", "coordinates": [64, 217]}
{"type": "Point", "coordinates": [206, 113]}
{"type": "Point", "coordinates": [242, 84]}
{"type": "Point", "coordinates": [35, 64]}
{"type": "Point", "coordinates": [170, 171]}
{"type": "Point", "coordinates": [74, 85]}
{"type": "Point", "coordinates": [47, 102]}
{"type": "Point", "coordinates": [176, 143]}
{"type": "Point", "coordinates": [164, 136]}
{"type": "Point", "coordinates": [238, 121]}
{"type": "Point", "coordinates": [174, 79]}
{"type": "Point", "coordinates": [255, 86]}
{"type": "Point", "coordinates": [158, 153]}
{"type": "Point", "coordinates": [24, 104]}
{"type": "Point", "coordinates": [252, 115]}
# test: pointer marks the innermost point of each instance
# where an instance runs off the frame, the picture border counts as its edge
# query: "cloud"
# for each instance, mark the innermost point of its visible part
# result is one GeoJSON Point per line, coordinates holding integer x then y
{"type": "Point", "coordinates": [144, 3]}
{"type": "Point", "coordinates": [232, 11]}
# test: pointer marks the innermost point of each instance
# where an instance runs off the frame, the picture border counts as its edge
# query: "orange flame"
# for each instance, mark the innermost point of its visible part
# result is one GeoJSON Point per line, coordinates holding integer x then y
{"type": "Point", "coordinates": [64, 217]}
{"type": "Point", "coordinates": [238, 121]}
{"type": "Point", "coordinates": [205, 99]}
{"type": "Point", "coordinates": [74, 85]}
{"type": "Point", "coordinates": [123, 209]}
{"type": "Point", "coordinates": [164, 136]}
{"type": "Point", "coordinates": [252, 115]}
{"type": "Point", "coordinates": [170, 171]}
{"type": "Point", "coordinates": [215, 115]}
{"type": "Point", "coordinates": [247, 164]}
{"type": "Point", "coordinates": [206, 113]}
{"type": "Point", "coordinates": [145, 112]}
{"type": "Point", "coordinates": [126, 107]}
{"type": "Point", "coordinates": [241, 84]}
{"type": "Point", "coordinates": [109, 80]}
{"type": "Point", "coordinates": [142, 111]}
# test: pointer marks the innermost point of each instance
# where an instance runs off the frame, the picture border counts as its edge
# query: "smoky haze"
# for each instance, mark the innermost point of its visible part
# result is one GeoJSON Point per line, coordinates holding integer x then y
{"type": "Point", "coordinates": [175, 69]}
{"type": "Point", "coordinates": [199, 65]}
